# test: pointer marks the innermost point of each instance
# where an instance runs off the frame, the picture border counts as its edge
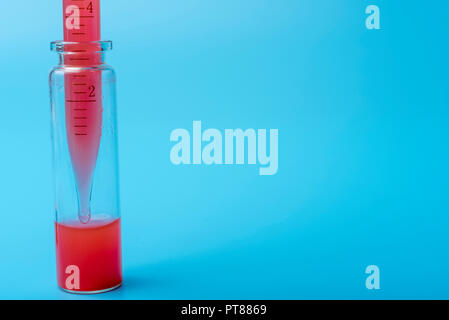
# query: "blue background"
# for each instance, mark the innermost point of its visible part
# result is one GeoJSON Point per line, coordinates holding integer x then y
{"type": "Point", "coordinates": [363, 148]}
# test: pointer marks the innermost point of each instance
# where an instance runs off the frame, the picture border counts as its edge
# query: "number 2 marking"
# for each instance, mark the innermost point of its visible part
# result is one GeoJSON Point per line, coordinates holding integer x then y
{"type": "Point", "coordinates": [92, 91]}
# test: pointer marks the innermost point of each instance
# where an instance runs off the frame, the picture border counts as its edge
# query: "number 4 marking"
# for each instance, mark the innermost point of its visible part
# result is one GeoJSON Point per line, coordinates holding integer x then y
{"type": "Point", "coordinates": [89, 7]}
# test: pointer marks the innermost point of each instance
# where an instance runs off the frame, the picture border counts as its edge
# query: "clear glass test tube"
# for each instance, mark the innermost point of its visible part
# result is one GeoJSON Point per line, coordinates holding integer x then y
{"type": "Point", "coordinates": [85, 168]}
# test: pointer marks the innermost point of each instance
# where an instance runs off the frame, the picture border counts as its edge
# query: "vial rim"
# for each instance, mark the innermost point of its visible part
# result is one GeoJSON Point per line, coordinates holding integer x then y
{"type": "Point", "coordinates": [92, 46]}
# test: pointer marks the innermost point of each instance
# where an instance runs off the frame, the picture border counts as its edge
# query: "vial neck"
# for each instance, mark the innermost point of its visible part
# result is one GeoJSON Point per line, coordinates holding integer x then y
{"type": "Point", "coordinates": [82, 59]}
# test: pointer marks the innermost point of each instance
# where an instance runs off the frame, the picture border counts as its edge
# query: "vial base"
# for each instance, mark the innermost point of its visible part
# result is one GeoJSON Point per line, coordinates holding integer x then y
{"type": "Point", "coordinates": [90, 292]}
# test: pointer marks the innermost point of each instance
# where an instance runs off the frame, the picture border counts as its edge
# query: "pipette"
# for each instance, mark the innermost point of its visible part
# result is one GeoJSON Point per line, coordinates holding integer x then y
{"type": "Point", "coordinates": [83, 95]}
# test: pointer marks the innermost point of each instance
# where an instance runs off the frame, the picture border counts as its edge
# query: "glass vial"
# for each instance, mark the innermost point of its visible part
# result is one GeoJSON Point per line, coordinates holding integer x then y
{"type": "Point", "coordinates": [85, 168]}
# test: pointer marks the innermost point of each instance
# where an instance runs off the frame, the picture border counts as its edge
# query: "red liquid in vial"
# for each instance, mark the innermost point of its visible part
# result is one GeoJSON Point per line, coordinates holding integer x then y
{"type": "Point", "coordinates": [89, 255]}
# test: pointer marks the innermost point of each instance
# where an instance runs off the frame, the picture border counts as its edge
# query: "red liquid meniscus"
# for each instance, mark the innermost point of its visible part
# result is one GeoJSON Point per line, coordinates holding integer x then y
{"type": "Point", "coordinates": [89, 255]}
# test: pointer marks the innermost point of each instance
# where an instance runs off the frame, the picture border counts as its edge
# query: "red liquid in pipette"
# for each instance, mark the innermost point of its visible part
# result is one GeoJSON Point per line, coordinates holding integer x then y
{"type": "Point", "coordinates": [89, 255]}
{"type": "Point", "coordinates": [83, 94]}
{"type": "Point", "coordinates": [88, 251]}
